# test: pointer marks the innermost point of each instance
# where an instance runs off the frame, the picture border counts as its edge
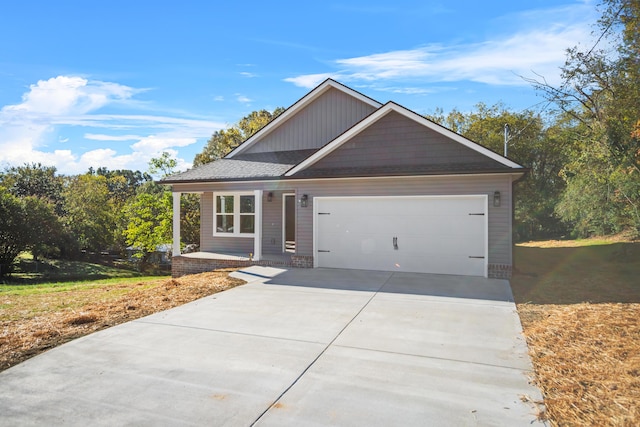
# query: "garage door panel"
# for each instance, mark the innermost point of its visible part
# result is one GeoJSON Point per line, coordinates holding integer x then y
{"type": "Point", "coordinates": [434, 234]}
{"type": "Point", "coordinates": [443, 264]}
{"type": "Point", "coordinates": [416, 245]}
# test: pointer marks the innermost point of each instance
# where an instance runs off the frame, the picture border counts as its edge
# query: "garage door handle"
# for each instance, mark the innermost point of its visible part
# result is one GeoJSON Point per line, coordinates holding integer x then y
{"type": "Point", "coordinates": [395, 243]}
{"type": "Point", "coordinates": [479, 257]}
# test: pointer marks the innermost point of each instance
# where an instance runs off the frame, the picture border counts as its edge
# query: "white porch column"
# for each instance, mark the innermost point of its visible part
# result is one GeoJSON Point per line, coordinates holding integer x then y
{"type": "Point", "coordinates": [176, 223]}
{"type": "Point", "coordinates": [257, 227]}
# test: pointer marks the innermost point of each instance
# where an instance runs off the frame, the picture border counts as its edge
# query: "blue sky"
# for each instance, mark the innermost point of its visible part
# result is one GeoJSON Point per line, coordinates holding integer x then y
{"type": "Point", "coordinates": [115, 83]}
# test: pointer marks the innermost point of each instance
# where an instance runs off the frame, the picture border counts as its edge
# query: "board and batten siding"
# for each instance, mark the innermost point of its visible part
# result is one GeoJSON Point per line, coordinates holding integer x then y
{"type": "Point", "coordinates": [316, 124]}
{"type": "Point", "coordinates": [399, 141]}
{"type": "Point", "coordinates": [500, 241]}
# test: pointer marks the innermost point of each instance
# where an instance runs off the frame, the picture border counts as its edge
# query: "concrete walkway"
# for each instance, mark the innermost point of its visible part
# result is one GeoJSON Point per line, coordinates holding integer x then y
{"type": "Point", "coordinates": [297, 347]}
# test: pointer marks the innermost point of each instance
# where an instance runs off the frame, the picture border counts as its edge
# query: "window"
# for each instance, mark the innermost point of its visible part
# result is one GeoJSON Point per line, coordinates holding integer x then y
{"type": "Point", "coordinates": [235, 214]}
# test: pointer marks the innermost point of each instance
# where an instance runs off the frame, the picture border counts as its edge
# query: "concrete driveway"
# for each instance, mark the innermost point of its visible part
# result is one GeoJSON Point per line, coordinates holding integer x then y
{"type": "Point", "coordinates": [296, 347]}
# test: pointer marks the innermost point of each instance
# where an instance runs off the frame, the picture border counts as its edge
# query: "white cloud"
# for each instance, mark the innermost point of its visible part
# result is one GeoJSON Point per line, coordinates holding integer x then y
{"type": "Point", "coordinates": [247, 74]}
{"type": "Point", "coordinates": [102, 137]}
{"type": "Point", "coordinates": [69, 95]}
{"type": "Point", "coordinates": [158, 144]}
{"type": "Point", "coordinates": [28, 128]}
{"type": "Point", "coordinates": [243, 99]}
{"type": "Point", "coordinates": [310, 81]}
{"type": "Point", "coordinates": [538, 46]}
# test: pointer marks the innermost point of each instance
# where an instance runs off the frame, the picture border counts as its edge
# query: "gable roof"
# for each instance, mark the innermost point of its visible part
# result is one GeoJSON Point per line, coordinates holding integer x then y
{"type": "Point", "coordinates": [295, 108]}
{"type": "Point", "coordinates": [240, 165]}
{"type": "Point", "coordinates": [377, 115]}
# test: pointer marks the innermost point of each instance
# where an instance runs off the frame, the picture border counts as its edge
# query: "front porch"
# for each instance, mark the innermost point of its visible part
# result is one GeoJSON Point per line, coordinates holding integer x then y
{"type": "Point", "coordinates": [200, 262]}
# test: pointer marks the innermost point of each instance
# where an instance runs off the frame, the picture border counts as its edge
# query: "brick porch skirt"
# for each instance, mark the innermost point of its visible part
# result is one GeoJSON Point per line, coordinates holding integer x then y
{"type": "Point", "coordinates": [183, 265]}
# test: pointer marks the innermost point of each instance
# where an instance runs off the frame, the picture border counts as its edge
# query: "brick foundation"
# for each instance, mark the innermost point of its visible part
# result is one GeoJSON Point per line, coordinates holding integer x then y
{"type": "Point", "coordinates": [500, 271]}
{"type": "Point", "coordinates": [181, 266]}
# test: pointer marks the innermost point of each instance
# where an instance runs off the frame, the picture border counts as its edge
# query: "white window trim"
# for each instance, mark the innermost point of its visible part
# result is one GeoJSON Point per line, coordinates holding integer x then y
{"type": "Point", "coordinates": [236, 213]}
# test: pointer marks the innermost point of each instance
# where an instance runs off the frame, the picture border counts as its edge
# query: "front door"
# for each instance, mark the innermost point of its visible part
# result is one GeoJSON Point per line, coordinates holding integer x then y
{"type": "Point", "coordinates": [289, 223]}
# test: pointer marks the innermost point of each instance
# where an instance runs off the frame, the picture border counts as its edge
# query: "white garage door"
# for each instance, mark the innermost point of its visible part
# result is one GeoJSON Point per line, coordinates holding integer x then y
{"type": "Point", "coordinates": [426, 234]}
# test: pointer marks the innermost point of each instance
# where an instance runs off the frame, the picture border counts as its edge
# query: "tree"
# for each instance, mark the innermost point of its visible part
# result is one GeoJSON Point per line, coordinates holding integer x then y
{"type": "Point", "coordinates": [25, 223]}
{"type": "Point", "coordinates": [225, 140]}
{"type": "Point", "coordinates": [190, 219]}
{"type": "Point", "coordinates": [34, 180]}
{"type": "Point", "coordinates": [533, 144]}
{"type": "Point", "coordinates": [600, 91]}
{"type": "Point", "coordinates": [123, 186]}
{"type": "Point", "coordinates": [163, 165]}
{"type": "Point", "coordinates": [149, 215]}
{"type": "Point", "coordinates": [89, 212]}
{"type": "Point", "coordinates": [13, 230]}
{"type": "Point", "coordinates": [150, 219]}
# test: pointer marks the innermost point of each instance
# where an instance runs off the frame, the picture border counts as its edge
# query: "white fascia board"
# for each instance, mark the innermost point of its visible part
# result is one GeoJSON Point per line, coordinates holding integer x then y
{"type": "Point", "coordinates": [295, 108]}
{"type": "Point", "coordinates": [381, 112]}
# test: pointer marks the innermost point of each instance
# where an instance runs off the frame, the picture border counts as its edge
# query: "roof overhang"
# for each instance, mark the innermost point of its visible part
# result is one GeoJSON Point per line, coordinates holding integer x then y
{"type": "Point", "coordinates": [518, 173]}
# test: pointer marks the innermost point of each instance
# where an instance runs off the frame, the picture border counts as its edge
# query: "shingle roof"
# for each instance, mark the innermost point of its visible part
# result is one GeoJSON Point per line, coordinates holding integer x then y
{"type": "Point", "coordinates": [250, 166]}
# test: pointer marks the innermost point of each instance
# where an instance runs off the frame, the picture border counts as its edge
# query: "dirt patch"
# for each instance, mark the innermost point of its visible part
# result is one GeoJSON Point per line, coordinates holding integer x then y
{"type": "Point", "coordinates": [587, 361]}
{"type": "Point", "coordinates": [47, 321]}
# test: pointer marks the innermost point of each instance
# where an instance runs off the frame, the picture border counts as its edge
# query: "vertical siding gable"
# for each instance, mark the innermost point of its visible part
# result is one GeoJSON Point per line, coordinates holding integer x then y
{"type": "Point", "coordinates": [316, 124]}
{"type": "Point", "coordinates": [396, 140]}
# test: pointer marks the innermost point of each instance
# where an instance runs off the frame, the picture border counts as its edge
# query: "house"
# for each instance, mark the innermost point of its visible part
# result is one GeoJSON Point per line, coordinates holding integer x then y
{"type": "Point", "coordinates": [340, 180]}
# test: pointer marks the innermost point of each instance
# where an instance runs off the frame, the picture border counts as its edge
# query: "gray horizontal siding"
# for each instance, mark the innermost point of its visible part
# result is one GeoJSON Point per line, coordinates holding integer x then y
{"type": "Point", "coordinates": [272, 223]}
{"type": "Point", "coordinates": [328, 116]}
{"type": "Point", "coordinates": [211, 243]}
{"type": "Point", "coordinates": [499, 218]}
{"type": "Point", "coordinates": [396, 140]}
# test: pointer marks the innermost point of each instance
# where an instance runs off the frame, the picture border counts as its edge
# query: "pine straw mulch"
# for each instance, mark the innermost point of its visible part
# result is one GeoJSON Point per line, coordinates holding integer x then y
{"type": "Point", "coordinates": [587, 361]}
{"type": "Point", "coordinates": [24, 336]}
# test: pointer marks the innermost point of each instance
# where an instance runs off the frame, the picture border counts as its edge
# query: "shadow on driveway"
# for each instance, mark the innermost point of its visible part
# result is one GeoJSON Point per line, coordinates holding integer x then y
{"type": "Point", "coordinates": [436, 285]}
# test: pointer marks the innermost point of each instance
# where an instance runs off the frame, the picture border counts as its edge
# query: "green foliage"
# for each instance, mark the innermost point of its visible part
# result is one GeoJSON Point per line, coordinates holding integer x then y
{"type": "Point", "coordinates": [25, 223]}
{"type": "Point", "coordinates": [34, 180]}
{"type": "Point", "coordinates": [601, 93]}
{"type": "Point", "coordinates": [89, 212]}
{"type": "Point", "coordinates": [190, 218]}
{"type": "Point", "coordinates": [531, 143]}
{"type": "Point", "coordinates": [225, 140]}
{"type": "Point", "coordinates": [13, 230]}
{"type": "Point", "coordinates": [123, 186]}
{"type": "Point", "coordinates": [163, 165]}
{"type": "Point", "coordinates": [150, 219]}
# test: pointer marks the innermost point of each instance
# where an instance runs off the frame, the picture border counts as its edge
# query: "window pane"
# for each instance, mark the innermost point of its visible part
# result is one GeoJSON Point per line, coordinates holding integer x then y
{"type": "Point", "coordinates": [224, 204]}
{"type": "Point", "coordinates": [246, 223]}
{"type": "Point", "coordinates": [247, 204]}
{"type": "Point", "coordinates": [224, 223]}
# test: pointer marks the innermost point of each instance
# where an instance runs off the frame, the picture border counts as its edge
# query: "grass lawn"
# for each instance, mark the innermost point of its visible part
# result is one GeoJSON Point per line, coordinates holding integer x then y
{"type": "Point", "coordinates": [29, 271]}
{"type": "Point", "coordinates": [39, 316]}
{"type": "Point", "coordinates": [579, 303]}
